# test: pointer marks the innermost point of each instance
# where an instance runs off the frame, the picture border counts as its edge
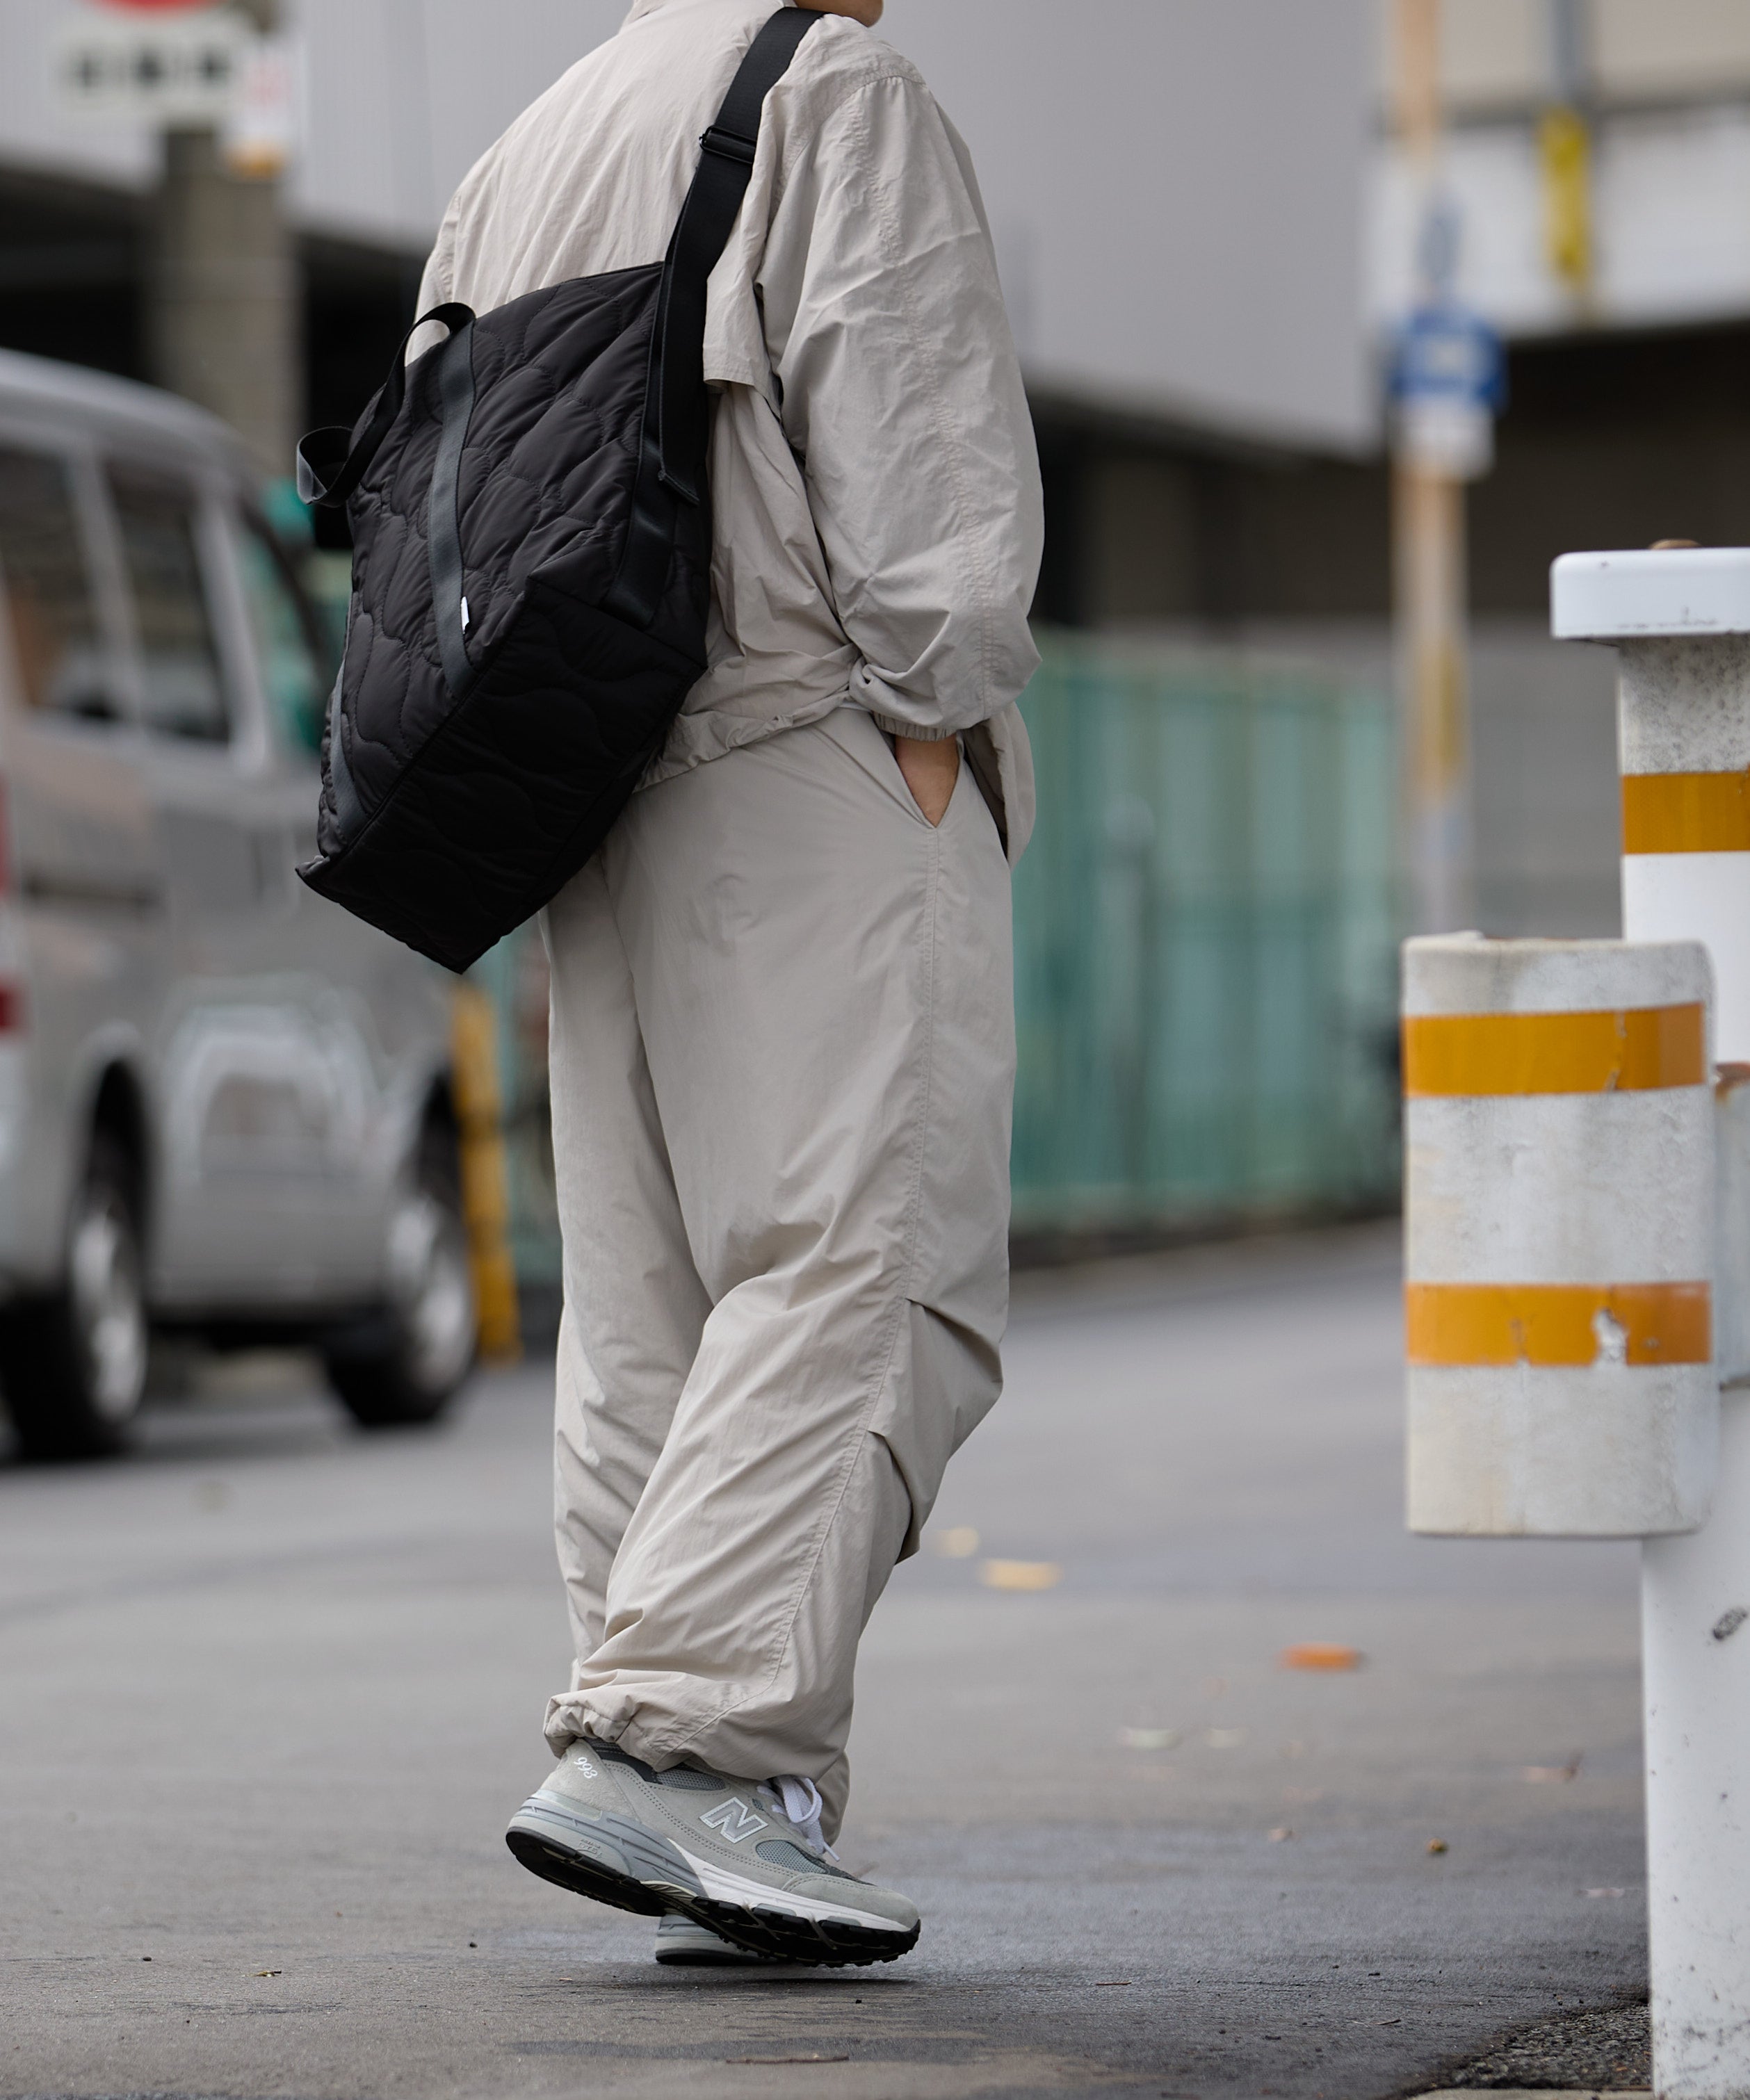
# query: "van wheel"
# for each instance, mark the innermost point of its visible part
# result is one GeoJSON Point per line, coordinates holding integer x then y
{"type": "Point", "coordinates": [404, 1362]}
{"type": "Point", "coordinates": [74, 1366]}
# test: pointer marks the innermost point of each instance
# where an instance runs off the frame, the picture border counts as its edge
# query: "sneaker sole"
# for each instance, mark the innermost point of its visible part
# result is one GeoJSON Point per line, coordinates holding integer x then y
{"type": "Point", "coordinates": [829, 1942]}
{"type": "Point", "coordinates": [601, 1861]}
{"type": "Point", "coordinates": [696, 1954]}
{"type": "Point", "coordinates": [610, 1858]}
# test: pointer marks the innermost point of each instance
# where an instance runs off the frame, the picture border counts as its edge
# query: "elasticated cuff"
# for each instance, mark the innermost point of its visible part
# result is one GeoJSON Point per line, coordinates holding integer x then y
{"type": "Point", "coordinates": [573, 1715]}
{"type": "Point", "coordinates": [917, 735]}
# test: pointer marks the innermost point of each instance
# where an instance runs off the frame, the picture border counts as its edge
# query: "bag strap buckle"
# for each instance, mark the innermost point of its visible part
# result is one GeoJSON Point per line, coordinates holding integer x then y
{"type": "Point", "coordinates": [728, 146]}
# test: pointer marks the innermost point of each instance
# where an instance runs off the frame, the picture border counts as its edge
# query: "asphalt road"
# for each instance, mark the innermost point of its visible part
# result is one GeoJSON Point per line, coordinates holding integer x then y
{"type": "Point", "coordinates": [269, 1690]}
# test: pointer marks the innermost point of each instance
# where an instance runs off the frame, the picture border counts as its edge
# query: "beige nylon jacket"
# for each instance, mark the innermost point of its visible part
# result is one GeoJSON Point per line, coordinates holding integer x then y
{"type": "Point", "coordinates": [876, 490]}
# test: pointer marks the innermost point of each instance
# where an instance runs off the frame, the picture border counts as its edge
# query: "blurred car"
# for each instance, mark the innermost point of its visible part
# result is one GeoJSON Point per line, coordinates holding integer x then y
{"type": "Point", "coordinates": [225, 1105]}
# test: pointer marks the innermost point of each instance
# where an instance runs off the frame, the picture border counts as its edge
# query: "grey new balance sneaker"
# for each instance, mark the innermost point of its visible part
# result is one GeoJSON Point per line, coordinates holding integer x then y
{"type": "Point", "coordinates": [745, 1860]}
{"type": "Point", "coordinates": [684, 1943]}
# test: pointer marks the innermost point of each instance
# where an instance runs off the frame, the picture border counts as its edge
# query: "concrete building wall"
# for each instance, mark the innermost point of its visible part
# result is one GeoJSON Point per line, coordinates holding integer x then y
{"type": "Point", "coordinates": [1178, 224]}
{"type": "Point", "coordinates": [403, 96]}
{"type": "Point", "coordinates": [1172, 188]}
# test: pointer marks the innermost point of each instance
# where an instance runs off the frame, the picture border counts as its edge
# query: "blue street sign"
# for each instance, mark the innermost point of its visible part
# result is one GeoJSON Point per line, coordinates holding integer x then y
{"type": "Point", "coordinates": [1446, 353]}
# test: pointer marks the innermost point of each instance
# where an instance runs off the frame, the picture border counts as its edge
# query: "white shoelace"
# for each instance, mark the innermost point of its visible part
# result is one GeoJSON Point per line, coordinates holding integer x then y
{"type": "Point", "coordinates": [798, 1802]}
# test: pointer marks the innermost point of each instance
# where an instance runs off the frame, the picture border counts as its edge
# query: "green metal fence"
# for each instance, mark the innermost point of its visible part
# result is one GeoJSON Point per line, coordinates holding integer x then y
{"type": "Point", "coordinates": [515, 975]}
{"type": "Point", "coordinates": [1205, 963]}
{"type": "Point", "coordinates": [1205, 933]}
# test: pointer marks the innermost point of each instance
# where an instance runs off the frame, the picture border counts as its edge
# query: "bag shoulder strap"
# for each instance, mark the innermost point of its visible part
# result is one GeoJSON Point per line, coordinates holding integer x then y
{"type": "Point", "coordinates": [726, 165]}
{"type": "Point", "coordinates": [332, 463]}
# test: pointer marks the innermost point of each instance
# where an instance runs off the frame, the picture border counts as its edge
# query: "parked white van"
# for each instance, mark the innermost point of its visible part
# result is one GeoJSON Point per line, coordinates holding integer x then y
{"type": "Point", "coordinates": [225, 1105]}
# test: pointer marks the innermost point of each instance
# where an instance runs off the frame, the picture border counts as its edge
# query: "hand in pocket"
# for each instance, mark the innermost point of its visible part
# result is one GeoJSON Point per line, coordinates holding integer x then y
{"type": "Point", "coordinates": [930, 770]}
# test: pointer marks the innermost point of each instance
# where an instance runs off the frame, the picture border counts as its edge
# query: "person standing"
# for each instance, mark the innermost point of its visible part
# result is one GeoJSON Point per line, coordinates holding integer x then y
{"type": "Point", "coordinates": [782, 1050]}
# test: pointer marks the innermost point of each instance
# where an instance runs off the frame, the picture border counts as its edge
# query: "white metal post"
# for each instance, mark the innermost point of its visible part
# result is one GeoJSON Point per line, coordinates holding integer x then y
{"type": "Point", "coordinates": [1680, 618]}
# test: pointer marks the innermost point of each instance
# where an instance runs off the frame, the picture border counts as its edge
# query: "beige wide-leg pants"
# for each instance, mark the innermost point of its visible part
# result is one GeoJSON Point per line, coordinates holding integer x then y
{"type": "Point", "coordinates": [782, 1066]}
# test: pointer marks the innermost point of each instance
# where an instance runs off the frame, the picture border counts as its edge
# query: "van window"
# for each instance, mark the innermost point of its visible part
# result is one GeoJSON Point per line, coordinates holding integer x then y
{"type": "Point", "coordinates": [287, 644]}
{"type": "Point", "coordinates": [183, 693]}
{"type": "Point", "coordinates": [49, 608]}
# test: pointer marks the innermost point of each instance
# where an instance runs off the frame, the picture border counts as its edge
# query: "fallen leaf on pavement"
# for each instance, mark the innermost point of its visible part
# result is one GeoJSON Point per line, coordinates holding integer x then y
{"type": "Point", "coordinates": [1020, 1574]}
{"type": "Point", "coordinates": [270, 1972]}
{"type": "Point", "coordinates": [1320, 1655]}
{"type": "Point", "coordinates": [1280, 1835]}
{"type": "Point", "coordinates": [1437, 1845]}
{"type": "Point", "coordinates": [1150, 1739]}
{"type": "Point", "coordinates": [1553, 1775]}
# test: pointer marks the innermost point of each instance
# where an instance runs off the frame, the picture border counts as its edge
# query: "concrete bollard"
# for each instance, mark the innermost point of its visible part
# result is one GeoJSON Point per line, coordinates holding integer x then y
{"type": "Point", "coordinates": [1559, 1237]}
{"type": "Point", "coordinates": [1680, 618]}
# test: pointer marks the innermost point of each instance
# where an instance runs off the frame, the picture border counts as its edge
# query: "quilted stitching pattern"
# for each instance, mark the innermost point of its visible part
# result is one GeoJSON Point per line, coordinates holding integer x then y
{"type": "Point", "coordinates": [473, 813]}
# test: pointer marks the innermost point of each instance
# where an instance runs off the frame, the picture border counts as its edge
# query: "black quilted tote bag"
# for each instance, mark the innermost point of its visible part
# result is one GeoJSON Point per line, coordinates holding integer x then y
{"type": "Point", "coordinates": [532, 557]}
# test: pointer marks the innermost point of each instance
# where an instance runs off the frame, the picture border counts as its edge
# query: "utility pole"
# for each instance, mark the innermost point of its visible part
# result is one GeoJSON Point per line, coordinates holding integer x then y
{"type": "Point", "coordinates": [224, 323]}
{"type": "Point", "coordinates": [1564, 146]}
{"type": "Point", "coordinates": [1429, 580]}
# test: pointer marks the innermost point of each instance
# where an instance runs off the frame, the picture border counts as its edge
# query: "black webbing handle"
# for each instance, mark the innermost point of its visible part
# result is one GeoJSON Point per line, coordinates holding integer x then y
{"type": "Point", "coordinates": [331, 463]}
{"type": "Point", "coordinates": [449, 583]}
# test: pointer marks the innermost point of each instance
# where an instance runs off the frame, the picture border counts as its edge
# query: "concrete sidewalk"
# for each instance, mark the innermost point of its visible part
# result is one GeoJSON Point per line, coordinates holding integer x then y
{"type": "Point", "coordinates": [269, 1691]}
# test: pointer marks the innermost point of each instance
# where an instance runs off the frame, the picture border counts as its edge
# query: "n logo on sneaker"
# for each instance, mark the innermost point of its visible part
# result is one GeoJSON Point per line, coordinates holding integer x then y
{"type": "Point", "coordinates": [734, 1819]}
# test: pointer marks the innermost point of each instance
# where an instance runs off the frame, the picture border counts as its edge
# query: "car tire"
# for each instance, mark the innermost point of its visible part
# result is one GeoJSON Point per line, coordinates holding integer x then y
{"type": "Point", "coordinates": [72, 1367]}
{"type": "Point", "coordinates": [405, 1361]}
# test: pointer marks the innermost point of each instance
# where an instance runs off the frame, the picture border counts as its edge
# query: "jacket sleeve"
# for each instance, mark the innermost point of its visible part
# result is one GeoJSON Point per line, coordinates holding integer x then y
{"type": "Point", "coordinates": [437, 283]}
{"type": "Point", "coordinates": [901, 396]}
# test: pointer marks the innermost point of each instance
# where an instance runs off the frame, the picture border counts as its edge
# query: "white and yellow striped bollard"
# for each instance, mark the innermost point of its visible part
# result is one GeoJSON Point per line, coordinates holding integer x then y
{"type": "Point", "coordinates": [1559, 1237]}
{"type": "Point", "coordinates": [1679, 617]}
{"type": "Point", "coordinates": [1680, 620]}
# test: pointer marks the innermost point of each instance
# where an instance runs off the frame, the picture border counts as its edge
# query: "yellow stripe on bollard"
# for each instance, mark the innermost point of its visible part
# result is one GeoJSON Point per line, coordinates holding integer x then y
{"type": "Point", "coordinates": [485, 1184]}
{"type": "Point", "coordinates": [1548, 1324]}
{"type": "Point", "coordinates": [1554, 1053]}
{"type": "Point", "coordinates": [1671, 813]}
